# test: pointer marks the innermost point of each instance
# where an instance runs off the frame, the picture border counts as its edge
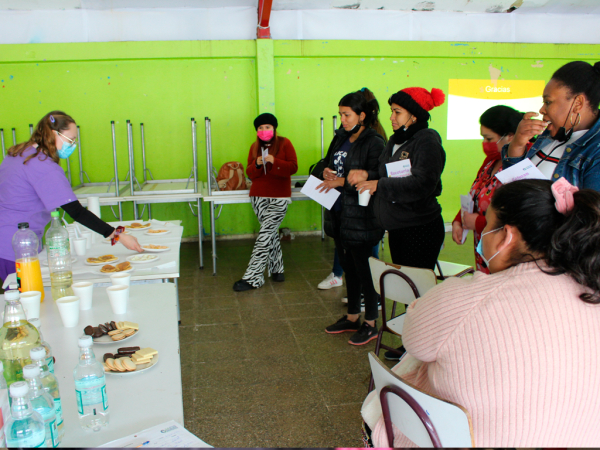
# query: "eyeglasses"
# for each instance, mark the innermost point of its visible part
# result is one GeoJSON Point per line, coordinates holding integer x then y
{"type": "Point", "coordinates": [71, 141]}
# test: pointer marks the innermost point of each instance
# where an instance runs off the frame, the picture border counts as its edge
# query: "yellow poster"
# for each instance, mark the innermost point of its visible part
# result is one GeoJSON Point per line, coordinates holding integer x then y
{"type": "Point", "coordinates": [468, 99]}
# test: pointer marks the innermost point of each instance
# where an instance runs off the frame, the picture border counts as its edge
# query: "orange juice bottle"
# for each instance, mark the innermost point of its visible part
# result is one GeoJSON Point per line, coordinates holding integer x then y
{"type": "Point", "coordinates": [29, 275]}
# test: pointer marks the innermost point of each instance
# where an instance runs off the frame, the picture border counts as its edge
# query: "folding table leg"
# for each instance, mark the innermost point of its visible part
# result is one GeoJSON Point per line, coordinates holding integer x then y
{"type": "Point", "coordinates": [213, 235]}
{"type": "Point", "coordinates": [200, 233]}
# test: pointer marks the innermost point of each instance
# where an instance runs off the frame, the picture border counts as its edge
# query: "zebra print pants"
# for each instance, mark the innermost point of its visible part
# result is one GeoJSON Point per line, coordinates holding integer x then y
{"type": "Point", "coordinates": [267, 248]}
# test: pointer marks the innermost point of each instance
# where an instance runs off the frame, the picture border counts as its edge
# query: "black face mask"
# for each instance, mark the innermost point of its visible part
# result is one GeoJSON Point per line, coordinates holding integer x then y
{"type": "Point", "coordinates": [354, 129]}
{"type": "Point", "coordinates": [562, 135]}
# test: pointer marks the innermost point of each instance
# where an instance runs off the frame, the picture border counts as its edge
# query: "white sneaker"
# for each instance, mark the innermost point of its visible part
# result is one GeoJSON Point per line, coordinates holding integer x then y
{"type": "Point", "coordinates": [330, 282]}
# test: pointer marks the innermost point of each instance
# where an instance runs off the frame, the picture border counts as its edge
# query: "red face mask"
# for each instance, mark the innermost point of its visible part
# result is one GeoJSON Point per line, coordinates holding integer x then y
{"type": "Point", "coordinates": [491, 149]}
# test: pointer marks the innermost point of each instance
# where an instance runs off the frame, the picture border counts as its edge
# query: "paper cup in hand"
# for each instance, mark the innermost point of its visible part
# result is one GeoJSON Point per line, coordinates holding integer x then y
{"type": "Point", "coordinates": [84, 290]}
{"type": "Point", "coordinates": [80, 245]}
{"type": "Point", "coordinates": [121, 279]}
{"type": "Point", "coordinates": [69, 310]}
{"type": "Point", "coordinates": [364, 197]}
{"type": "Point", "coordinates": [88, 238]}
{"type": "Point", "coordinates": [118, 296]}
{"type": "Point", "coordinates": [31, 303]}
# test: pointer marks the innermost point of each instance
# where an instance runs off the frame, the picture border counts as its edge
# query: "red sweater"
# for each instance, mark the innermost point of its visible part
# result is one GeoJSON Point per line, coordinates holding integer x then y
{"type": "Point", "coordinates": [277, 181]}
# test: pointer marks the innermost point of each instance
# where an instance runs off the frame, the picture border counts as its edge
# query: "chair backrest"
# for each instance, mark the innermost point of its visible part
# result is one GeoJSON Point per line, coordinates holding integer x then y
{"type": "Point", "coordinates": [396, 288]}
{"type": "Point", "coordinates": [426, 420]}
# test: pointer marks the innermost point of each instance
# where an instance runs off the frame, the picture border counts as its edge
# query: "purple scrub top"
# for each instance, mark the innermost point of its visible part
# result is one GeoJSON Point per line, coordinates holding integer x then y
{"type": "Point", "coordinates": [28, 193]}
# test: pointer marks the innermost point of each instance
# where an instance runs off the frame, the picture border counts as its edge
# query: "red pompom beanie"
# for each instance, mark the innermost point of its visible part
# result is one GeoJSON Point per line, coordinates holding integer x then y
{"type": "Point", "coordinates": [418, 101]}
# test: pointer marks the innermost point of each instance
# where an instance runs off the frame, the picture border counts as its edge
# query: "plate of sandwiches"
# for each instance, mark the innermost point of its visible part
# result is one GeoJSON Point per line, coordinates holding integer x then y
{"type": "Point", "coordinates": [111, 332]}
{"type": "Point", "coordinates": [154, 248]}
{"type": "Point", "coordinates": [157, 232]}
{"type": "Point", "coordinates": [136, 226]}
{"type": "Point", "coordinates": [129, 360]}
{"type": "Point", "coordinates": [101, 260]}
{"type": "Point", "coordinates": [142, 258]}
{"type": "Point", "coordinates": [117, 268]}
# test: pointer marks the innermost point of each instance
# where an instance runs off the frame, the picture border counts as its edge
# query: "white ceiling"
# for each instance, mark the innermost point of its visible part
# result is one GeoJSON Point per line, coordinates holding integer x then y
{"type": "Point", "coordinates": [467, 6]}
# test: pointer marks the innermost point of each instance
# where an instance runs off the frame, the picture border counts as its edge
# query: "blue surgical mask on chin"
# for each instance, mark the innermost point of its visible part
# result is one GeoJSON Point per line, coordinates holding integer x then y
{"type": "Point", "coordinates": [66, 150]}
{"type": "Point", "coordinates": [479, 248]}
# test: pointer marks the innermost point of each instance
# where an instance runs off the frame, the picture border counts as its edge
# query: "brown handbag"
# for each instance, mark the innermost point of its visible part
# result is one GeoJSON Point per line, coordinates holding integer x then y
{"type": "Point", "coordinates": [231, 177]}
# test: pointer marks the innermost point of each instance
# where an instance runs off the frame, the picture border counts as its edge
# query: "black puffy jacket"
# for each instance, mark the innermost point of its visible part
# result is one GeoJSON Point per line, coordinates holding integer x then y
{"type": "Point", "coordinates": [358, 223]}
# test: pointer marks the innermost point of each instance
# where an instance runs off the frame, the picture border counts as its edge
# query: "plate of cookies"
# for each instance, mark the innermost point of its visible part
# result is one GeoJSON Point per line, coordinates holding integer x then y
{"type": "Point", "coordinates": [111, 332]}
{"type": "Point", "coordinates": [123, 267]}
{"type": "Point", "coordinates": [157, 232]}
{"type": "Point", "coordinates": [130, 360]}
{"type": "Point", "coordinates": [142, 258]}
{"type": "Point", "coordinates": [101, 260]}
{"type": "Point", "coordinates": [154, 248]}
{"type": "Point", "coordinates": [136, 226]}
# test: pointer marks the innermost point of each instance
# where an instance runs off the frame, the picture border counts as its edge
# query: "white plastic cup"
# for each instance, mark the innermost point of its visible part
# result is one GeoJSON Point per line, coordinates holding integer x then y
{"type": "Point", "coordinates": [72, 237]}
{"type": "Point", "coordinates": [121, 279]}
{"type": "Point", "coordinates": [30, 301]}
{"type": "Point", "coordinates": [84, 290]}
{"type": "Point", "coordinates": [93, 205]}
{"type": "Point", "coordinates": [88, 239]}
{"type": "Point", "coordinates": [80, 245]}
{"type": "Point", "coordinates": [364, 197]}
{"type": "Point", "coordinates": [118, 296]}
{"type": "Point", "coordinates": [69, 310]}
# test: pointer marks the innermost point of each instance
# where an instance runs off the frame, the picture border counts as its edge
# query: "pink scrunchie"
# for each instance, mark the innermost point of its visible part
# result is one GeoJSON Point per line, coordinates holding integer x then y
{"type": "Point", "coordinates": [563, 194]}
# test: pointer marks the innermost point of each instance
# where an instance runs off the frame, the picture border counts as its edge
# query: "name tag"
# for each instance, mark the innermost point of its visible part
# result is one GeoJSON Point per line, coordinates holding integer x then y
{"type": "Point", "coordinates": [398, 169]}
{"type": "Point", "coordinates": [525, 170]}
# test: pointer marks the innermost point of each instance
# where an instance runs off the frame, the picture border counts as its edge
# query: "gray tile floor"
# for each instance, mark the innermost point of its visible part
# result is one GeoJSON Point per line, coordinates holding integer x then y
{"type": "Point", "coordinates": [258, 370]}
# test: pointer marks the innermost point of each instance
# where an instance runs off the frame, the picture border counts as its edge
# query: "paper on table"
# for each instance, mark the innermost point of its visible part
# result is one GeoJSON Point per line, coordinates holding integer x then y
{"type": "Point", "coordinates": [466, 205]}
{"type": "Point", "coordinates": [265, 153]}
{"type": "Point", "coordinates": [525, 170]}
{"type": "Point", "coordinates": [398, 169]}
{"type": "Point", "coordinates": [168, 434]}
{"type": "Point", "coordinates": [325, 199]}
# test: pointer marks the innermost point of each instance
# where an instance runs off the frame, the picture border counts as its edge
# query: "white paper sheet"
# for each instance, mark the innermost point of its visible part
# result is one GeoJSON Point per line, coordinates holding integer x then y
{"type": "Point", "coordinates": [525, 170]}
{"type": "Point", "coordinates": [466, 205]}
{"type": "Point", "coordinates": [398, 169]}
{"type": "Point", "coordinates": [325, 199]}
{"type": "Point", "coordinates": [168, 434]}
{"type": "Point", "coordinates": [265, 153]}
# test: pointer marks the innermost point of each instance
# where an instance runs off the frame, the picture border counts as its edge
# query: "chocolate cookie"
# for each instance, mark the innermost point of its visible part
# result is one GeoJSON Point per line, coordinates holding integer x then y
{"type": "Point", "coordinates": [108, 355]}
{"type": "Point", "coordinates": [97, 333]}
{"type": "Point", "coordinates": [103, 329]}
{"type": "Point", "coordinates": [89, 330]}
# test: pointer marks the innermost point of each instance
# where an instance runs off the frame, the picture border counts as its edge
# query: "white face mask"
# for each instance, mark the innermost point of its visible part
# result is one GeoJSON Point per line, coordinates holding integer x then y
{"type": "Point", "coordinates": [480, 247]}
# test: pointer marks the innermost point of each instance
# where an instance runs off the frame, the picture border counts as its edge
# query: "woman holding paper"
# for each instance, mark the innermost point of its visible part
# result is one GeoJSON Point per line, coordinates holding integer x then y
{"type": "Point", "coordinates": [356, 146]}
{"type": "Point", "coordinates": [271, 163]}
{"type": "Point", "coordinates": [498, 127]}
{"type": "Point", "coordinates": [409, 180]}
{"type": "Point", "coordinates": [569, 130]}
{"type": "Point", "coordinates": [32, 184]}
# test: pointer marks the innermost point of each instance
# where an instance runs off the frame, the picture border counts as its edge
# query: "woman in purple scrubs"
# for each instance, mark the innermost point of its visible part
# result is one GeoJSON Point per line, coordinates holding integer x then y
{"type": "Point", "coordinates": [32, 184]}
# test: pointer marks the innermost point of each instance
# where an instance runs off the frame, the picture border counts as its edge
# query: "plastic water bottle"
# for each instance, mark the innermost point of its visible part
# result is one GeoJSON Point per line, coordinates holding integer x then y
{"type": "Point", "coordinates": [42, 403]}
{"type": "Point", "coordinates": [49, 358]}
{"type": "Point", "coordinates": [59, 258]}
{"type": "Point", "coordinates": [26, 244]}
{"type": "Point", "coordinates": [17, 337]}
{"type": "Point", "coordinates": [50, 383]}
{"type": "Point", "coordinates": [25, 426]}
{"type": "Point", "coordinates": [90, 388]}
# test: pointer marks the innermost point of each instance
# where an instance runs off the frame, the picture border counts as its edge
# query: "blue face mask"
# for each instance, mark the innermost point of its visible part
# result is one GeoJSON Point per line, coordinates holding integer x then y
{"type": "Point", "coordinates": [67, 148]}
{"type": "Point", "coordinates": [479, 248]}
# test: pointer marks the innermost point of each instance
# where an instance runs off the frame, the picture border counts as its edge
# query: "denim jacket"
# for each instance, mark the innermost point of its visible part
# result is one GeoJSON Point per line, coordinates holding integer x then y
{"type": "Point", "coordinates": [579, 164]}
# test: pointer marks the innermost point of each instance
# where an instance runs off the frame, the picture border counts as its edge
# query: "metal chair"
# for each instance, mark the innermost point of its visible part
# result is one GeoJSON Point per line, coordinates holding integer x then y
{"type": "Point", "coordinates": [401, 284]}
{"type": "Point", "coordinates": [426, 420]}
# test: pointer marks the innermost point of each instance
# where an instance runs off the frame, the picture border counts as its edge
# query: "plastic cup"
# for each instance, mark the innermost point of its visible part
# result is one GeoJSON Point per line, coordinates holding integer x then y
{"type": "Point", "coordinates": [121, 279]}
{"type": "Point", "coordinates": [69, 310]}
{"type": "Point", "coordinates": [364, 197]}
{"type": "Point", "coordinates": [84, 290]}
{"type": "Point", "coordinates": [31, 303]}
{"type": "Point", "coordinates": [118, 296]}
{"type": "Point", "coordinates": [72, 237]}
{"type": "Point", "coordinates": [88, 239]}
{"type": "Point", "coordinates": [80, 245]}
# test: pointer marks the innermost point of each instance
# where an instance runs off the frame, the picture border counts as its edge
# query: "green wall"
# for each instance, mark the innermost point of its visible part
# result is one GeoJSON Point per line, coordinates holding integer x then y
{"type": "Point", "coordinates": [164, 84]}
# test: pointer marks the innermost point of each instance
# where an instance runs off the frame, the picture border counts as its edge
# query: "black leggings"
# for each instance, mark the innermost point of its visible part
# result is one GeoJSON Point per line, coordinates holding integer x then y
{"type": "Point", "coordinates": [417, 246]}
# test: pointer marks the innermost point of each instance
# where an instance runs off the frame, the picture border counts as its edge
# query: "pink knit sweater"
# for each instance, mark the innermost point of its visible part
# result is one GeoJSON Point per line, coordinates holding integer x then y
{"type": "Point", "coordinates": [518, 349]}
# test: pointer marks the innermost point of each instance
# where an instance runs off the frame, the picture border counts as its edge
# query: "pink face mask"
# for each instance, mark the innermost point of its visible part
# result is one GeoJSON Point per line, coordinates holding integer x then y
{"type": "Point", "coordinates": [265, 135]}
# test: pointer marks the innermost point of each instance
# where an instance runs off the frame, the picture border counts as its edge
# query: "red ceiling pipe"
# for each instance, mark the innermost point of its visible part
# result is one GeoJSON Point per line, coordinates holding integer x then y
{"type": "Point", "coordinates": [263, 31]}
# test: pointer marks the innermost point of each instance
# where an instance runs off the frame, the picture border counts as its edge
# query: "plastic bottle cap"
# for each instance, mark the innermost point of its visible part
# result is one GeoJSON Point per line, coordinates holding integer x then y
{"type": "Point", "coordinates": [19, 389]}
{"type": "Point", "coordinates": [35, 322]}
{"type": "Point", "coordinates": [31, 371]}
{"type": "Point", "coordinates": [37, 353]}
{"type": "Point", "coordinates": [85, 341]}
{"type": "Point", "coordinates": [23, 225]}
{"type": "Point", "coordinates": [55, 214]}
{"type": "Point", "coordinates": [11, 295]}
